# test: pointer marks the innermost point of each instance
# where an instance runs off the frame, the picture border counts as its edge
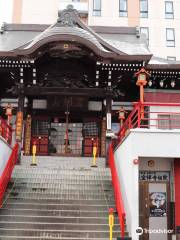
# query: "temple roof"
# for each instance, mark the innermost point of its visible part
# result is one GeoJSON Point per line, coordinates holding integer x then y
{"type": "Point", "coordinates": [114, 43]}
{"type": "Point", "coordinates": [117, 43]}
{"type": "Point", "coordinates": [161, 63]}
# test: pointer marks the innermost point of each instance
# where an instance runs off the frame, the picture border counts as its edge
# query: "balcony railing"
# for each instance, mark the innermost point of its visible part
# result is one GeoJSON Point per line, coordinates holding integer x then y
{"type": "Point", "coordinates": [151, 116]}
{"type": "Point", "coordinates": [5, 131]}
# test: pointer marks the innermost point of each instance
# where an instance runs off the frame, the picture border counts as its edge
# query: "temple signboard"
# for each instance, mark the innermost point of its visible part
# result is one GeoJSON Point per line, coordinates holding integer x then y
{"type": "Point", "coordinates": [27, 144]}
{"type": "Point", "coordinates": [19, 126]}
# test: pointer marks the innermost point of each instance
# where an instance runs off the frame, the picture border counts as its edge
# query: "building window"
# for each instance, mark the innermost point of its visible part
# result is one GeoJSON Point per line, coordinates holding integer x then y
{"type": "Point", "coordinates": [143, 8]}
{"type": "Point", "coordinates": [168, 121]}
{"type": "Point", "coordinates": [170, 37]}
{"type": "Point", "coordinates": [96, 7]}
{"type": "Point", "coordinates": [145, 30]}
{"type": "Point", "coordinates": [123, 8]}
{"type": "Point", "coordinates": [169, 11]}
{"type": "Point", "coordinates": [171, 58]}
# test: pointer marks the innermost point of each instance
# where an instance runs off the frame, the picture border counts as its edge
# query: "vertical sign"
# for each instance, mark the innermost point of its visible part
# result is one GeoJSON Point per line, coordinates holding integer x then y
{"type": "Point", "coordinates": [103, 138]}
{"type": "Point", "coordinates": [19, 126]}
{"type": "Point", "coordinates": [27, 144]}
{"type": "Point", "coordinates": [108, 115]}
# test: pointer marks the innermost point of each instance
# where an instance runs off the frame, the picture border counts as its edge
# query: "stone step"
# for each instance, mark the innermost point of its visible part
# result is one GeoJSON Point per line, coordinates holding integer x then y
{"type": "Point", "coordinates": [54, 157]}
{"type": "Point", "coordinates": [65, 190]}
{"type": "Point", "coordinates": [61, 198]}
{"type": "Point", "coordinates": [57, 226]}
{"type": "Point", "coordinates": [61, 185]}
{"type": "Point", "coordinates": [58, 234]}
{"type": "Point", "coordinates": [45, 238]}
{"type": "Point", "coordinates": [61, 176]}
{"type": "Point", "coordinates": [52, 201]}
{"type": "Point", "coordinates": [58, 181]}
{"type": "Point", "coordinates": [56, 219]}
{"type": "Point", "coordinates": [54, 213]}
{"type": "Point", "coordinates": [58, 196]}
{"type": "Point", "coordinates": [60, 161]}
{"type": "Point", "coordinates": [44, 170]}
{"type": "Point", "coordinates": [65, 164]}
{"type": "Point", "coordinates": [81, 205]}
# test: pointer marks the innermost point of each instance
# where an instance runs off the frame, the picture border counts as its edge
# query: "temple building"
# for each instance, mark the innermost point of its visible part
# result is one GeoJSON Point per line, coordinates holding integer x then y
{"type": "Point", "coordinates": [66, 68]}
{"type": "Point", "coordinates": [71, 87]}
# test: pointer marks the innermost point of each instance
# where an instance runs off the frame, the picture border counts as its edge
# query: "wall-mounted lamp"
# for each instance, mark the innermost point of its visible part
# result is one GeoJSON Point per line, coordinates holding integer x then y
{"type": "Point", "coordinates": [34, 81]}
{"type": "Point", "coordinates": [173, 83]}
{"type": "Point", "coordinates": [161, 83]}
{"type": "Point", "coordinates": [150, 83]}
{"type": "Point", "coordinates": [136, 161]}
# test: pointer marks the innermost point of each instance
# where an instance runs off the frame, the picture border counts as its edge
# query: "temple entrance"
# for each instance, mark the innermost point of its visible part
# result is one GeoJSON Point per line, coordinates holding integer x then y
{"type": "Point", "coordinates": [56, 136]}
{"type": "Point", "coordinates": [66, 139]}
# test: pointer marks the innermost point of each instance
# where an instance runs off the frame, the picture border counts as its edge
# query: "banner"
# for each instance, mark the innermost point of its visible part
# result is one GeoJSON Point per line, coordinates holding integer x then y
{"type": "Point", "coordinates": [158, 204]}
{"type": "Point", "coordinates": [19, 126]}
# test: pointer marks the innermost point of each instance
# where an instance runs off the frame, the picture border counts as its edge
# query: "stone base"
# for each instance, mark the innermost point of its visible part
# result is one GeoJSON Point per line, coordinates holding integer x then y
{"type": "Point", "coordinates": [93, 166]}
{"type": "Point", "coordinates": [124, 238]}
{"type": "Point", "coordinates": [34, 164]}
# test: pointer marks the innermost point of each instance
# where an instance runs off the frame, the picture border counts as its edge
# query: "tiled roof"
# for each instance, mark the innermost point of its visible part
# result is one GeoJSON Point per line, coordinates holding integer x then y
{"type": "Point", "coordinates": [72, 31]}
{"type": "Point", "coordinates": [124, 43]}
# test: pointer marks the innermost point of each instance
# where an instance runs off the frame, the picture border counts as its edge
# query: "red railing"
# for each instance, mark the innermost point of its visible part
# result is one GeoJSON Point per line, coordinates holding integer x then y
{"type": "Point", "coordinates": [5, 131]}
{"type": "Point", "coordinates": [142, 116]}
{"type": "Point", "coordinates": [117, 192]}
{"type": "Point", "coordinates": [6, 175]}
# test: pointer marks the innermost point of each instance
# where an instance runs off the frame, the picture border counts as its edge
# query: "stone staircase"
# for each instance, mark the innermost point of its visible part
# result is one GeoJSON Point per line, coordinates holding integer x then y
{"type": "Point", "coordinates": [59, 199]}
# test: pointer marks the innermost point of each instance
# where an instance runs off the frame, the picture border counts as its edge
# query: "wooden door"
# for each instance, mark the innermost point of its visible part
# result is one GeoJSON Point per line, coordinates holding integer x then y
{"type": "Point", "coordinates": [88, 146]}
{"type": "Point", "coordinates": [41, 144]}
{"type": "Point", "coordinates": [144, 208]}
{"type": "Point", "coordinates": [154, 202]}
{"type": "Point", "coordinates": [91, 133]}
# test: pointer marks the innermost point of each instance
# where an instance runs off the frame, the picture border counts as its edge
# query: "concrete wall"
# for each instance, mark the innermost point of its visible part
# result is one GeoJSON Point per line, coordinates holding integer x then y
{"type": "Point", "coordinates": [5, 150]}
{"type": "Point", "coordinates": [109, 15]}
{"type": "Point", "coordinates": [161, 164]}
{"type": "Point", "coordinates": [156, 14]}
{"type": "Point", "coordinates": [40, 11]}
{"type": "Point", "coordinates": [6, 11]}
{"type": "Point", "coordinates": [157, 32]}
{"type": "Point", "coordinates": [141, 143]}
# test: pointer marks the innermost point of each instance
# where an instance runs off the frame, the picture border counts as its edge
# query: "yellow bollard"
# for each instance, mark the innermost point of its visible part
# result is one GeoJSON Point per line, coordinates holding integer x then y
{"type": "Point", "coordinates": [94, 155]}
{"type": "Point", "coordinates": [111, 223]}
{"type": "Point", "coordinates": [34, 150]}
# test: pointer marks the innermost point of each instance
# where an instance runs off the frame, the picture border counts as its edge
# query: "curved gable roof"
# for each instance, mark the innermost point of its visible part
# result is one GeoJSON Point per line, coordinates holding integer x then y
{"type": "Point", "coordinates": [69, 27]}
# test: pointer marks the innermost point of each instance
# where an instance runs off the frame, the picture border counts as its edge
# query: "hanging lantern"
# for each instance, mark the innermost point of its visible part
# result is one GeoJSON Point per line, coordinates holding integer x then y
{"type": "Point", "coordinates": [142, 76]}
{"type": "Point", "coordinates": [8, 112]}
{"type": "Point", "coordinates": [121, 116]}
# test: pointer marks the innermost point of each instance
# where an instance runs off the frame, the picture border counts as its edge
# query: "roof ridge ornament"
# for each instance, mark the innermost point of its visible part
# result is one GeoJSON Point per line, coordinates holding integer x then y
{"type": "Point", "coordinates": [67, 17]}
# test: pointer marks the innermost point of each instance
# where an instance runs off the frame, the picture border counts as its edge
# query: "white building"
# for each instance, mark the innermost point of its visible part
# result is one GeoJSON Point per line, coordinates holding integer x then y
{"type": "Point", "coordinates": [158, 20]}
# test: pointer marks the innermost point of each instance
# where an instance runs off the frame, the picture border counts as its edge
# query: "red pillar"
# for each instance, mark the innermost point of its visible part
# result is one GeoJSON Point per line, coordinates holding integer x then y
{"type": "Point", "coordinates": [177, 191]}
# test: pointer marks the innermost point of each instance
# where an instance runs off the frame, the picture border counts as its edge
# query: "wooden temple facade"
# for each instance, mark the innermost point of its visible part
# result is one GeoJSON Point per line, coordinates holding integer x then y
{"type": "Point", "coordinates": [66, 79]}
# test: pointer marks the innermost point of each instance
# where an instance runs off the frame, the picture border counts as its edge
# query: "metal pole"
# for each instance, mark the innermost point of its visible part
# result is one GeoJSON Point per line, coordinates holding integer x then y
{"type": "Point", "coordinates": [67, 124]}
{"type": "Point", "coordinates": [111, 223]}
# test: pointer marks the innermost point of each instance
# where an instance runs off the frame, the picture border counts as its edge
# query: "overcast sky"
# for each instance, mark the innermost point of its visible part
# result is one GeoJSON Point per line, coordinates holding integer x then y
{"type": "Point", "coordinates": [5, 10]}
